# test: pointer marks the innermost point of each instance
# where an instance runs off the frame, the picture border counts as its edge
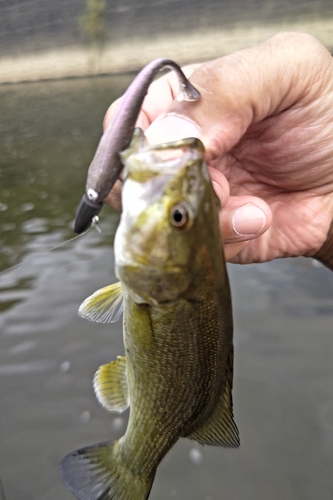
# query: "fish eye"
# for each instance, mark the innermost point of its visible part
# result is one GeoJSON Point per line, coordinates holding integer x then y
{"type": "Point", "coordinates": [179, 216]}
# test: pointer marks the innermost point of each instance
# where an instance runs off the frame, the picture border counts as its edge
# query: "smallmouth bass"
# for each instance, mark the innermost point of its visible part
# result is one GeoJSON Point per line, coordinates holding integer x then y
{"type": "Point", "coordinates": [176, 374]}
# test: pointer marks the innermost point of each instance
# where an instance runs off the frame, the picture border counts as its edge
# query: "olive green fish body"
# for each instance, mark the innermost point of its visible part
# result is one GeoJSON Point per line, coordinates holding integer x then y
{"type": "Point", "coordinates": [183, 387]}
{"type": "Point", "coordinates": [176, 374]}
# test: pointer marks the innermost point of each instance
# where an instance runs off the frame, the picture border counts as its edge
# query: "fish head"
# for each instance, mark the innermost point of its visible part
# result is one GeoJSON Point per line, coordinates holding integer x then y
{"type": "Point", "coordinates": [167, 198]}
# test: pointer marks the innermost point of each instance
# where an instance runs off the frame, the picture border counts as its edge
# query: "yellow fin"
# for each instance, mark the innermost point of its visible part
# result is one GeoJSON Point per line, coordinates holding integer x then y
{"type": "Point", "coordinates": [220, 428]}
{"type": "Point", "coordinates": [110, 385]}
{"type": "Point", "coordinates": [103, 306]}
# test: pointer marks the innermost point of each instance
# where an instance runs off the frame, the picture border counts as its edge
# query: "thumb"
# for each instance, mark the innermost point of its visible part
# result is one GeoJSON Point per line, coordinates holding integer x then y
{"type": "Point", "coordinates": [244, 88]}
{"type": "Point", "coordinates": [242, 218]}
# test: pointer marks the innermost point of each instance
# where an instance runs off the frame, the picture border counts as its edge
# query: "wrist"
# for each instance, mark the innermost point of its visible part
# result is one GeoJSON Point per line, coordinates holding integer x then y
{"type": "Point", "coordinates": [325, 253]}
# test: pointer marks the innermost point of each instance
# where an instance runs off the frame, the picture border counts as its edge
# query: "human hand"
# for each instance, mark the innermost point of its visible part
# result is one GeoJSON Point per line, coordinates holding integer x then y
{"type": "Point", "coordinates": [265, 118]}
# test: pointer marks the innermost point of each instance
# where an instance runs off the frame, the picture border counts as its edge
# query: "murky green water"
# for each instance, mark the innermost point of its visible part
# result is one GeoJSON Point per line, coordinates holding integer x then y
{"type": "Point", "coordinates": [283, 390]}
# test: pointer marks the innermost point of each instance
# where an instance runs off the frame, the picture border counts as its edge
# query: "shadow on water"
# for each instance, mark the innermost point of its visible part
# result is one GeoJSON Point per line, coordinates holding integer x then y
{"type": "Point", "coordinates": [283, 388]}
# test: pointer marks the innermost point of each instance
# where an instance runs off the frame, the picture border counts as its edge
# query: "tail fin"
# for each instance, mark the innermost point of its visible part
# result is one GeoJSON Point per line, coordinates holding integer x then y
{"type": "Point", "coordinates": [96, 473]}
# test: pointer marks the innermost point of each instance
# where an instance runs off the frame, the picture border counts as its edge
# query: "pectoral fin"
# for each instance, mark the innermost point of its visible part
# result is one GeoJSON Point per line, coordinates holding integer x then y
{"type": "Point", "coordinates": [220, 428]}
{"type": "Point", "coordinates": [103, 306]}
{"type": "Point", "coordinates": [110, 385]}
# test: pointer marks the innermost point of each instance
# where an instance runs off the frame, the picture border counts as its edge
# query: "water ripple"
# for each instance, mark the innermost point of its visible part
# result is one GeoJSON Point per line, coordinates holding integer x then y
{"type": "Point", "coordinates": [27, 368]}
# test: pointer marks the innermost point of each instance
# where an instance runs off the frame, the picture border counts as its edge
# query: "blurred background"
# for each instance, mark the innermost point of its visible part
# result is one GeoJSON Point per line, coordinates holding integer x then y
{"type": "Point", "coordinates": [45, 39]}
{"type": "Point", "coordinates": [49, 129]}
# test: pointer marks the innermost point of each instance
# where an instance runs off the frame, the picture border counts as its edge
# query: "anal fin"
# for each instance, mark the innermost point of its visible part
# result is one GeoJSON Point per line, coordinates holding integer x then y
{"type": "Point", "coordinates": [220, 428]}
{"type": "Point", "coordinates": [110, 385]}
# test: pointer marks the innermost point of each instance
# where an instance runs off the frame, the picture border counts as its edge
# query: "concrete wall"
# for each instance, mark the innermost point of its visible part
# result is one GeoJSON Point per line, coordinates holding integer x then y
{"type": "Point", "coordinates": [42, 38]}
{"type": "Point", "coordinates": [35, 25]}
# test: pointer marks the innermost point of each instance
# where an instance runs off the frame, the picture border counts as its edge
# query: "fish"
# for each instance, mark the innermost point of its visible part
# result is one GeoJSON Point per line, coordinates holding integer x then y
{"type": "Point", "coordinates": [176, 373]}
{"type": "Point", "coordinates": [106, 165]}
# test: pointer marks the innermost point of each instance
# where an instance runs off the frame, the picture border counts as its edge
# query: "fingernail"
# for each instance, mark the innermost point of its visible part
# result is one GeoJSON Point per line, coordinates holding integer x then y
{"type": "Point", "coordinates": [248, 220]}
{"type": "Point", "coordinates": [171, 127]}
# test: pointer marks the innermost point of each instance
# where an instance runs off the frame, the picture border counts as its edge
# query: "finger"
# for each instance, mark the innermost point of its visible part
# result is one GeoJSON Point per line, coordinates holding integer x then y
{"type": "Point", "coordinates": [110, 112]}
{"type": "Point", "coordinates": [220, 184]}
{"type": "Point", "coordinates": [241, 217]}
{"type": "Point", "coordinates": [244, 218]}
{"type": "Point", "coordinates": [171, 128]}
{"type": "Point", "coordinates": [113, 198]}
{"type": "Point", "coordinates": [250, 85]}
{"type": "Point", "coordinates": [233, 249]}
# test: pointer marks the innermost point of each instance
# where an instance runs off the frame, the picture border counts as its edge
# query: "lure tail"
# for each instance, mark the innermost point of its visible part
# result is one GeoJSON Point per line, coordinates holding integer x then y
{"type": "Point", "coordinates": [96, 473]}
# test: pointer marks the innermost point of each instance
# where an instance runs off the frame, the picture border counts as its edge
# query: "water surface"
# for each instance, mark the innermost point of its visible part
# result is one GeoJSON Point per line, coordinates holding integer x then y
{"type": "Point", "coordinates": [283, 390]}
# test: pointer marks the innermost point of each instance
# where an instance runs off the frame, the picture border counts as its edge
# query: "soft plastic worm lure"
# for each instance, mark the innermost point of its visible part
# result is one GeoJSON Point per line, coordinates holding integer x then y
{"type": "Point", "coordinates": [106, 165]}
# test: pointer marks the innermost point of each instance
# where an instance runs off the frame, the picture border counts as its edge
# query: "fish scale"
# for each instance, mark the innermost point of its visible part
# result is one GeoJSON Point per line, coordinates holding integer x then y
{"type": "Point", "coordinates": [177, 371]}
